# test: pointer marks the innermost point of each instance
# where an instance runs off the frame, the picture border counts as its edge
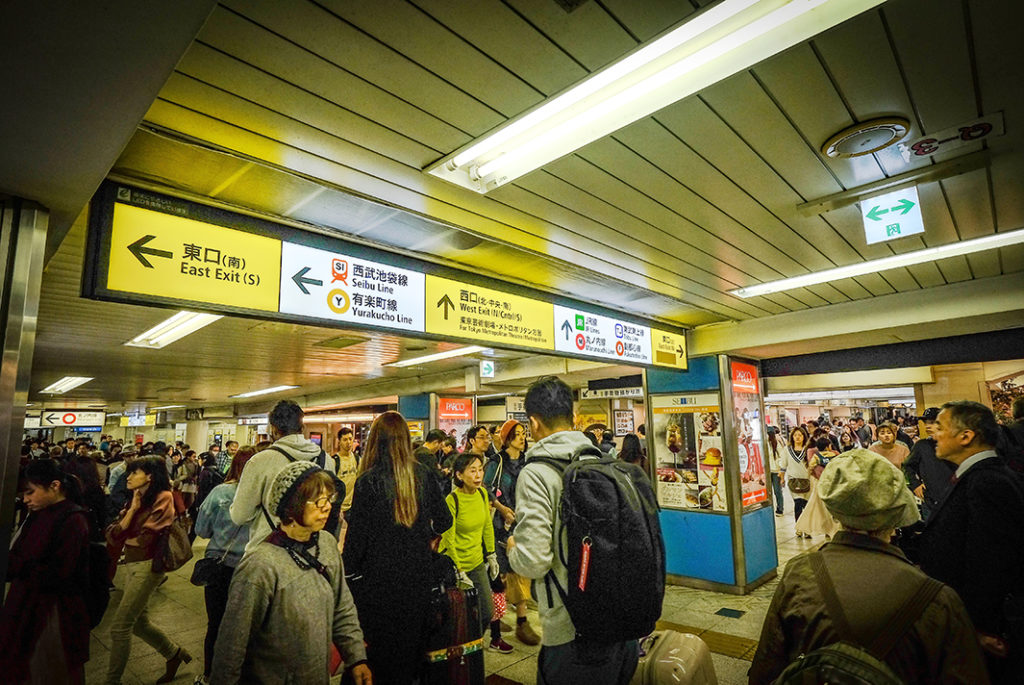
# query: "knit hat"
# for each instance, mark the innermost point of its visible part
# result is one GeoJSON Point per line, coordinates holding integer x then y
{"type": "Point", "coordinates": [287, 482]}
{"type": "Point", "coordinates": [864, 491]}
{"type": "Point", "coordinates": [506, 430]}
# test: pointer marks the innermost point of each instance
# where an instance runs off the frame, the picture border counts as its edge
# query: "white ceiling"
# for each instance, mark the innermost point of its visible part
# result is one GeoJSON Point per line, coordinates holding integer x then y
{"type": "Point", "coordinates": [326, 113]}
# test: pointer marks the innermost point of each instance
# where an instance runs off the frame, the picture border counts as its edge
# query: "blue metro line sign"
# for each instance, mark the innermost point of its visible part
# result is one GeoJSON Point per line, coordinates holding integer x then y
{"type": "Point", "coordinates": [893, 215]}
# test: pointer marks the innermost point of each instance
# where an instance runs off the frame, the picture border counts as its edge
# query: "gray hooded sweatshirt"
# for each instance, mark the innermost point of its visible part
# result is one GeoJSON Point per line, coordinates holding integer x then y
{"type": "Point", "coordinates": [538, 517]}
{"type": "Point", "coordinates": [258, 480]}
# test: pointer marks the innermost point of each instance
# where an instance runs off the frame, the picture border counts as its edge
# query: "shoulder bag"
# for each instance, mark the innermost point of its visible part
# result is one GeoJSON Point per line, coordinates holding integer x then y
{"type": "Point", "coordinates": [173, 547]}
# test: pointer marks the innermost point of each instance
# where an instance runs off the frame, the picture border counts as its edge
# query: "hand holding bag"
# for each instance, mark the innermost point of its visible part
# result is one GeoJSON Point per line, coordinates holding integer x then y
{"type": "Point", "coordinates": [173, 548]}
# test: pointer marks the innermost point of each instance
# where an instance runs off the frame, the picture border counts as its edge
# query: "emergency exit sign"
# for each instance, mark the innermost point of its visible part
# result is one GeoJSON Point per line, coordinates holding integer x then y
{"type": "Point", "coordinates": [891, 216]}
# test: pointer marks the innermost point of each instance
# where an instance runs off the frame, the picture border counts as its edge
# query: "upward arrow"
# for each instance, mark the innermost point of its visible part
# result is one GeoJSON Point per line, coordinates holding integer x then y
{"type": "Point", "coordinates": [139, 250]}
{"type": "Point", "coordinates": [447, 303]}
{"type": "Point", "coordinates": [567, 327]}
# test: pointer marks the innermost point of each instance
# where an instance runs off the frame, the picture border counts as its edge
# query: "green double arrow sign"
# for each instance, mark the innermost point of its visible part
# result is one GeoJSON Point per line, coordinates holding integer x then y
{"type": "Point", "coordinates": [903, 206]}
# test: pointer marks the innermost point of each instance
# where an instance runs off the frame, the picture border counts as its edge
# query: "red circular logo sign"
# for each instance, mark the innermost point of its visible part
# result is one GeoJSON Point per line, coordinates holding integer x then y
{"type": "Point", "coordinates": [581, 341]}
{"type": "Point", "coordinates": [68, 419]}
{"type": "Point", "coordinates": [620, 349]}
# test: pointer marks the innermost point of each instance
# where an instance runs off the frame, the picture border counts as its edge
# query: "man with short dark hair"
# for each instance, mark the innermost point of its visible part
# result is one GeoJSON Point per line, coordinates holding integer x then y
{"type": "Point", "coordinates": [538, 546]}
{"type": "Point", "coordinates": [346, 467]}
{"type": "Point", "coordinates": [225, 456]}
{"type": "Point", "coordinates": [251, 505]}
{"type": "Point", "coordinates": [862, 432]}
{"type": "Point", "coordinates": [929, 477]}
{"type": "Point", "coordinates": [974, 539]}
{"type": "Point", "coordinates": [426, 454]}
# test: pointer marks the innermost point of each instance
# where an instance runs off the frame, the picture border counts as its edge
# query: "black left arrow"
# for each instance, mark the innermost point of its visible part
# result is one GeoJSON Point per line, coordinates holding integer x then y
{"type": "Point", "coordinates": [301, 280]}
{"type": "Point", "coordinates": [140, 251]}
{"type": "Point", "coordinates": [52, 418]}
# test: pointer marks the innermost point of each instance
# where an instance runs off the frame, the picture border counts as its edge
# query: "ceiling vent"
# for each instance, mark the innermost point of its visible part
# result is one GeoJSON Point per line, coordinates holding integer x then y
{"type": "Point", "coordinates": [866, 137]}
{"type": "Point", "coordinates": [570, 5]}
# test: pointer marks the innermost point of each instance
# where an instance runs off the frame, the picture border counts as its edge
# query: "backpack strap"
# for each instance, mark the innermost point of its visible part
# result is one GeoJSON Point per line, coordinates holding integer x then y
{"type": "Point", "coordinates": [895, 627]}
{"type": "Point", "coordinates": [278, 449]}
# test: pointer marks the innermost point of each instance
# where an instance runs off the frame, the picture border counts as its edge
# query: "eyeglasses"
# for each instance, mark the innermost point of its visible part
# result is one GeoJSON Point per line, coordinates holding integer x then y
{"type": "Point", "coordinates": [484, 436]}
{"type": "Point", "coordinates": [323, 502]}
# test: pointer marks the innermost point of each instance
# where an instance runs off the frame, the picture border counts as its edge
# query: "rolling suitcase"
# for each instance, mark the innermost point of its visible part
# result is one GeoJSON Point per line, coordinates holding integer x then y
{"type": "Point", "coordinates": [670, 657]}
{"type": "Point", "coordinates": [455, 643]}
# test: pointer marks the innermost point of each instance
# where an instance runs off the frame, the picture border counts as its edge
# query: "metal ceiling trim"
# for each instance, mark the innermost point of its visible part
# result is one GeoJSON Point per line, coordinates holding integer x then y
{"type": "Point", "coordinates": [935, 172]}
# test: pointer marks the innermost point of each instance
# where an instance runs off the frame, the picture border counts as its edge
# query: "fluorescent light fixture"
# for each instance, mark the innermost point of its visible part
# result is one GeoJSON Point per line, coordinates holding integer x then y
{"type": "Point", "coordinates": [457, 352]}
{"type": "Point", "coordinates": [339, 418]}
{"type": "Point", "coordinates": [930, 254]}
{"type": "Point", "coordinates": [265, 391]}
{"type": "Point", "coordinates": [901, 394]}
{"type": "Point", "coordinates": [497, 394]}
{"type": "Point", "coordinates": [174, 328]}
{"type": "Point", "coordinates": [720, 41]}
{"type": "Point", "coordinates": [169, 406]}
{"type": "Point", "coordinates": [65, 384]}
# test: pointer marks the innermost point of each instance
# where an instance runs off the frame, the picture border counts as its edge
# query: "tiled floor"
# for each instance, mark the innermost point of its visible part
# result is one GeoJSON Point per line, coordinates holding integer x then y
{"type": "Point", "coordinates": [178, 608]}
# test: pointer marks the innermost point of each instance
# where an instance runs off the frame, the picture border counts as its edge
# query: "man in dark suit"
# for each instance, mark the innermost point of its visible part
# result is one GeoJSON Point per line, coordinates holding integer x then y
{"type": "Point", "coordinates": [929, 477]}
{"type": "Point", "coordinates": [974, 539]}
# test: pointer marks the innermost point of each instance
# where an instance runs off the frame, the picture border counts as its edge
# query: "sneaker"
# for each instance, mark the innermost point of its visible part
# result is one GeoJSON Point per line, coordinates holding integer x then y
{"type": "Point", "coordinates": [500, 645]}
{"type": "Point", "coordinates": [526, 634]}
{"type": "Point", "coordinates": [779, 513]}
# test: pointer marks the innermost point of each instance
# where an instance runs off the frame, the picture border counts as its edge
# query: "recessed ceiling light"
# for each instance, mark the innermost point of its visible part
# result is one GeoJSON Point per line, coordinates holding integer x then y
{"type": "Point", "coordinates": [964, 247]}
{"type": "Point", "coordinates": [65, 384]}
{"type": "Point", "coordinates": [175, 328]}
{"type": "Point", "coordinates": [265, 391]}
{"type": "Point", "coordinates": [457, 352]}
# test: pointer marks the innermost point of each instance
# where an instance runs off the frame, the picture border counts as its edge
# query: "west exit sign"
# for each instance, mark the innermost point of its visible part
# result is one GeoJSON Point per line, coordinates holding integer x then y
{"type": "Point", "coordinates": [891, 216]}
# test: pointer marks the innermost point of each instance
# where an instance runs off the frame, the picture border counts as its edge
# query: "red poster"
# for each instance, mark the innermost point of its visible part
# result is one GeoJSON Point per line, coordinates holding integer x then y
{"type": "Point", "coordinates": [455, 408]}
{"type": "Point", "coordinates": [746, 391]}
{"type": "Point", "coordinates": [744, 378]}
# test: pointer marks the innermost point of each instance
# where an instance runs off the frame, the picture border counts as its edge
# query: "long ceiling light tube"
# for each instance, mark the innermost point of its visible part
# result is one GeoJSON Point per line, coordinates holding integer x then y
{"type": "Point", "coordinates": [726, 38]}
{"type": "Point", "coordinates": [964, 247]}
{"type": "Point", "coordinates": [457, 352]}
{"type": "Point", "coordinates": [264, 391]}
{"type": "Point", "coordinates": [170, 330]}
{"type": "Point", "coordinates": [64, 384]}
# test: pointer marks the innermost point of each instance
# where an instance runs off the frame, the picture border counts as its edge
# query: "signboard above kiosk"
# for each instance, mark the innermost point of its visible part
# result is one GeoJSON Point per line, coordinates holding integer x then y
{"type": "Point", "coordinates": [153, 249]}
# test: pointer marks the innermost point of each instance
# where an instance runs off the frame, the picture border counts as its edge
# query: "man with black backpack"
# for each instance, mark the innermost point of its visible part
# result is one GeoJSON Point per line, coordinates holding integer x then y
{"type": "Point", "coordinates": [251, 505]}
{"type": "Point", "coordinates": [591, 615]}
{"type": "Point", "coordinates": [856, 611]}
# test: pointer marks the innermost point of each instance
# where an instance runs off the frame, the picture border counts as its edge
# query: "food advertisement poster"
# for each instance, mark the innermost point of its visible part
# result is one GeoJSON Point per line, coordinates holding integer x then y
{"type": "Point", "coordinates": [689, 457]}
{"type": "Point", "coordinates": [746, 402]}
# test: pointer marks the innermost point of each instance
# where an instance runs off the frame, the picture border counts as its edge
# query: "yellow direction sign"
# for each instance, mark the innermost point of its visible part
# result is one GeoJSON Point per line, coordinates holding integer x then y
{"type": "Point", "coordinates": [491, 316]}
{"type": "Point", "coordinates": [153, 253]}
{"type": "Point", "coordinates": [669, 349]}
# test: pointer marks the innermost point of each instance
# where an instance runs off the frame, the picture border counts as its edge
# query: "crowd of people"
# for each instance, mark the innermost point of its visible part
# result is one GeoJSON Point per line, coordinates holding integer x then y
{"type": "Point", "coordinates": [314, 558]}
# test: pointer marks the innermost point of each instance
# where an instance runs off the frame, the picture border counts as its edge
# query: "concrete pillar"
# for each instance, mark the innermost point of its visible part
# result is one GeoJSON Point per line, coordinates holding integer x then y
{"type": "Point", "coordinates": [22, 244]}
{"type": "Point", "coordinates": [953, 382]}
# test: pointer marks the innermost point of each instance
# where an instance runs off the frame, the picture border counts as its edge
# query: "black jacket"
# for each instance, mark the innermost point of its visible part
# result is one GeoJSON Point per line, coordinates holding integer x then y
{"type": "Point", "coordinates": [974, 540]}
{"type": "Point", "coordinates": [922, 466]}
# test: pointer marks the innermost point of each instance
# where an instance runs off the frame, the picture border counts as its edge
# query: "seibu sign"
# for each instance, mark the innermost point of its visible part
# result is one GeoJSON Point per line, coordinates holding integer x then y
{"type": "Point", "coordinates": [71, 417]}
{"type": "Point", "coordinates": [744, 378]}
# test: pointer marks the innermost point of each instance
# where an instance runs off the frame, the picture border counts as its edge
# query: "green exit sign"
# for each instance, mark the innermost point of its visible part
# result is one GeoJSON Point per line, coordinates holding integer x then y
{"type": "Point", "coordinates": [581, 323]}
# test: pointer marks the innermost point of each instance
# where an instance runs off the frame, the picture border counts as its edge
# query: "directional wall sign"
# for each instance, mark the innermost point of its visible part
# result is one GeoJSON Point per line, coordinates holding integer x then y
{"type": "Point", "coordinates": [71, 417]}
{"type": "Point", "coordinates": [487, 369]}
{"type": "Point", "coordinates": [148, 248]}
{"type": "Point", "coordinates": [462, 310]}
{"type": "Point", "coordinates": [143, 420]}
{"type": "Point", "coordinates": [329, 285]}
{"type": "Point", "coordinates": [173, 256]}
{"type": "Point", "coordinates": [32, 422]}
{"type": "Point", "coordinates": [893, 215]}
{"type": "Point", "coordinates": [582, 332]}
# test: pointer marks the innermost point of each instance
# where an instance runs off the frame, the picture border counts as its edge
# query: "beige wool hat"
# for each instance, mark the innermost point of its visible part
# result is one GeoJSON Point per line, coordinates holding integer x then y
{"type": "Point", "coordinates": [864, 491]}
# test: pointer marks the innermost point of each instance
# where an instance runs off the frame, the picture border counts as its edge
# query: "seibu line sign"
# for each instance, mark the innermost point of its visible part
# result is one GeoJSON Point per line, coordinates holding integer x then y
{"type": "Point", "coordinates": [147, 248]}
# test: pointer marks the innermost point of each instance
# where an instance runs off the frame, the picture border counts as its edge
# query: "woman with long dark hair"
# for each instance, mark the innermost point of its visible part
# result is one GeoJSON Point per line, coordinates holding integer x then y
{"type": "Point", "coordinates": [632, 451]}
{"type": "Point", "coordinates": [795, 470]}
{"type": "Point", "coordinates": [396, 510]}
{"type": "Point", "coordinates": [137, 531]}
{"type": "Point", "coordinates": [93, 497]}
{"type": "Point", "coordinates": [44, 623]}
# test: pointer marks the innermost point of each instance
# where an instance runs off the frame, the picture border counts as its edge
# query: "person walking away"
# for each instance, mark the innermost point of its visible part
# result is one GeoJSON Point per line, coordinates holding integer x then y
{"type": "Point", "coordinates": [929, 477]}
{"type": "Point", "coordinates": [607, 444]}
{"type": "Point", "coordinates": [288, 594]}
{"type": "Point", "coordinates": [346, 467]}
{"type": "Point", "coordinates": [227, 544]}
{"type": "Point", "coordinates": [117, 487]}
{"type": "Point", "coordinates": [137, 531]}
{"type": "Point", "coordinates": [44, 622]}
{"type": "Point", "coordinates": [868, 496]}
{"type": "Point", "coordinates": [633, 452]}
{"type": "Point", "coordinates": [251, 505]}
{"type": "Point", "coordinates": [501, 477]}
{"type": "Point", "coordinates": [538, 546]}
{"type": "Point", "coordinates": [396, 511]}
{"type": "Point", "coordinates": [92, 496]}
{"type": "Point", "coordinates": [775, 467]}
{"type": "Point", "coordinates": [974, 538]}
{"type": "Point", "coordinates": [815, 518]}
{"type": "Point", "coordinates": [187, 479]}
{"type": "Point", "coordinates": [889, 447]}
{"type": "Point", "coordinates": [795, 473]}
{"type": "Point", "coordinates": [470, 541]}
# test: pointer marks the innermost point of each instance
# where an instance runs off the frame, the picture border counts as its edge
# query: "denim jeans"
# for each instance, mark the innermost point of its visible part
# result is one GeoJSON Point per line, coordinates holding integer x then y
{"type": "Point", "coordinates": [132, 616]}
{"type": "Point", "coordinates": [777, 491]}
{"type": "Point", "coordinates": [482, 583]}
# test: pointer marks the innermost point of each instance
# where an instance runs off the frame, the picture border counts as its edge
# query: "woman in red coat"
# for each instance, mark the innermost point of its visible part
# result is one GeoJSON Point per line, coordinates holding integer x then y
{"type": "Point", "coordinates": [44, 624]}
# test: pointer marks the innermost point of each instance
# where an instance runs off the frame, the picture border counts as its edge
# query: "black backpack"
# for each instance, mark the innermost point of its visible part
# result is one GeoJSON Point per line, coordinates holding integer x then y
{"type": "Point", "coordinates": [333, 524]}
{"type": "Point", "coordinates": [615, 555]}
{"type": "Point", "coordinates": [96, 585]}
{"type": "Point", "coordinates": [845, 662]}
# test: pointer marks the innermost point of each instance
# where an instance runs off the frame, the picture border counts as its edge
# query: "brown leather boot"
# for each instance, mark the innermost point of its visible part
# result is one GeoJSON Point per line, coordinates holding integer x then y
{"type": "Point", "coordinates": [526, 634]}
{"type": "Point", "coordinates": [181, 656]}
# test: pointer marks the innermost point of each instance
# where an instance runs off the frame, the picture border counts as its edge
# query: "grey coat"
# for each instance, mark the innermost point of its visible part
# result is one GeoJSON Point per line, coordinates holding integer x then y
{"type": "Point", "coordinates": [280, 619]}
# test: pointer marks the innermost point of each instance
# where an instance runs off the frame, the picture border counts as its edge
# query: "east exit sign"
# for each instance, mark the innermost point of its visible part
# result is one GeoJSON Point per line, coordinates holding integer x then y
{"type": "Point", "coordinates": [891, 216]}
